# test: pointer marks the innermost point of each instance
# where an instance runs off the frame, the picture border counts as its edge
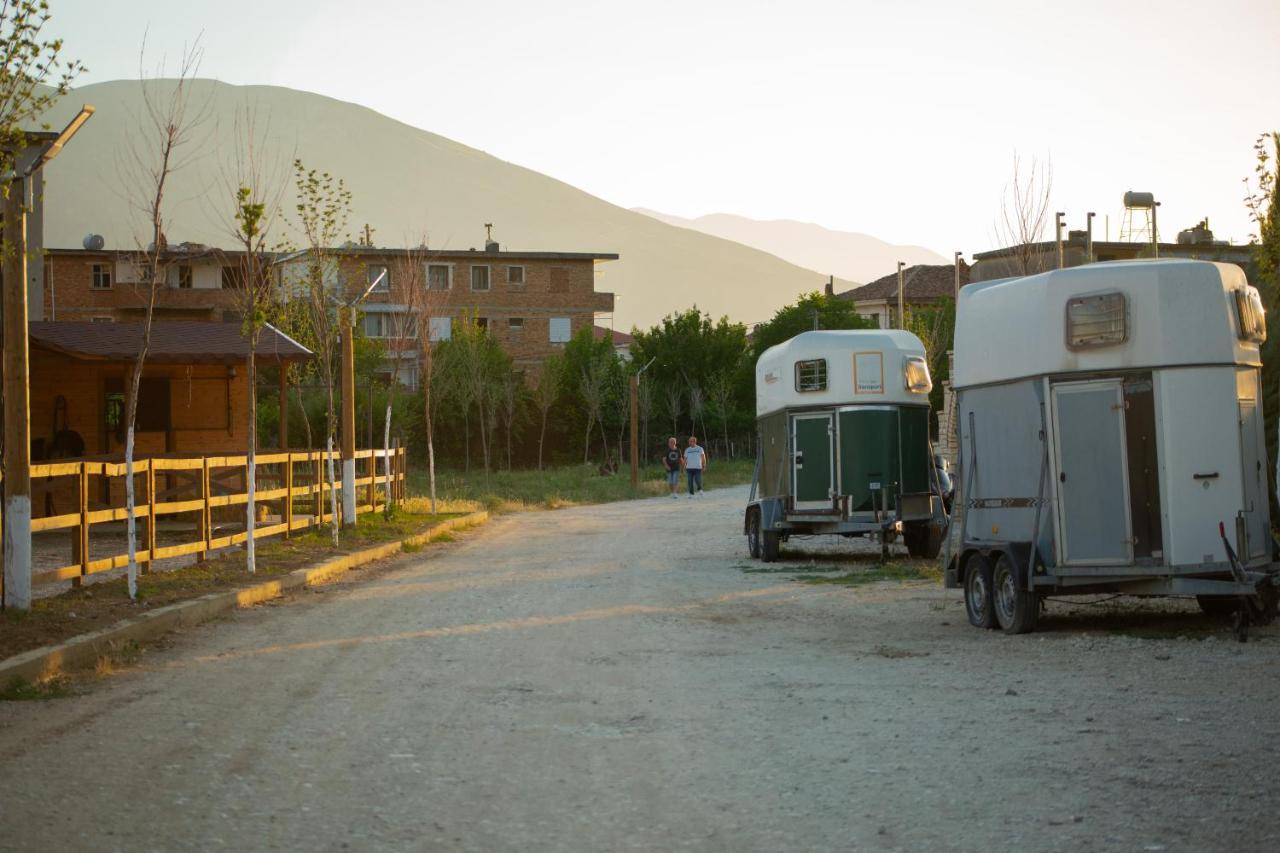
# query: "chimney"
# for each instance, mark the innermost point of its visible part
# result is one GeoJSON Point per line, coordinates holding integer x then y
{"type": "Point", "coordinates": [831, 285]}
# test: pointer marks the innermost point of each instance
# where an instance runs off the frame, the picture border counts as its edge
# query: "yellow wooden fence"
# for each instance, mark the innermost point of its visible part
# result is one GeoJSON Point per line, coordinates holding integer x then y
{"type": "Point", "coordinates": [204, 487]}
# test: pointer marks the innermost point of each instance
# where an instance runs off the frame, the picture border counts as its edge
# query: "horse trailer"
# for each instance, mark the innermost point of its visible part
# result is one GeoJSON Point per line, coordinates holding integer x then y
{"type": "Point", "coordinates": [843, 422]}
{"type": "Point", "coordinates": [1111, 441]}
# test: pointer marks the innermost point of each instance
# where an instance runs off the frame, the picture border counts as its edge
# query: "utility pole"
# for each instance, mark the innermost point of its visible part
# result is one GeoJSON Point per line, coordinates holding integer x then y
{"type": "Point", "coordinates": [959, 255]}
{"type": "Point", "coordinates": [634, 387]}
{"type": "Point", "coordinates": [1088, 237]}
{"type": "Point", "coordinates": [1057, 226]}
{"type": "Point", "coordinates": [36, 151]}
{"type": "Point", "coordinates": [348, 417]}
{"type": "Point", "coordinates": [902, 320]}
{"type": "Point", "coordinates": [1155, 232]}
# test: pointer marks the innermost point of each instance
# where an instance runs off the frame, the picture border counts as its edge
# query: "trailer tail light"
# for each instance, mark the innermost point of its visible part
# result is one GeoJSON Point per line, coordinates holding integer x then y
{"type": "Point", "coordinates": [1097, 321]}
{"type": "Point", "coordinates": [915, 372]}
{"type": "Point", "coordinates": [1252, 316]}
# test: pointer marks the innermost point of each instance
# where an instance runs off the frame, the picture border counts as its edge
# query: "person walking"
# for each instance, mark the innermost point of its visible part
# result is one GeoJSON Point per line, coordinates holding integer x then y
{"type": "Point", "coordinates": [672, 461]}
{"type": "Point", "coordinates": [694, 462]}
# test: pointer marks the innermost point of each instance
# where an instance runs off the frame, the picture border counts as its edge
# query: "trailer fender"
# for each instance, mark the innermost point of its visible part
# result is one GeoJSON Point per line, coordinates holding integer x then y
{"type": "Point", "coordinates": [1019, 552]}
{"type": "Point", "coordinates": [772, 511]}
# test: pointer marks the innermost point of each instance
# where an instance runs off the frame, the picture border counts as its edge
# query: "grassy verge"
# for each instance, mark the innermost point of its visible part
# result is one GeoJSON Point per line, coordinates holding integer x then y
{"type": "Point", "coordinates": [99, 605]}
{"type": "Point", "coordinates": [508, 491]}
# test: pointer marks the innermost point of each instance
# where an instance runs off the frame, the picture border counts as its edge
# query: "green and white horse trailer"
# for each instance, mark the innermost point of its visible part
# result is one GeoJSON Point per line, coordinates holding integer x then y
{"type": "Point", "coordinates": [1111, 441]}
{"type": "Point", "coordinates": [843, 423]}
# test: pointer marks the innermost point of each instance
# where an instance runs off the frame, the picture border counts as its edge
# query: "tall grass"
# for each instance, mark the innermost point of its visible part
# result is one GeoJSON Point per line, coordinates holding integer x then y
{"type": "Point", "coordinates": [508, 491]}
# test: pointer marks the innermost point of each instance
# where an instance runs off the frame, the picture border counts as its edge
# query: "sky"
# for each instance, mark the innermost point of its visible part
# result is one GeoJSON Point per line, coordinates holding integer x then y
{"type": "Point", "coordinates": [896, 119]}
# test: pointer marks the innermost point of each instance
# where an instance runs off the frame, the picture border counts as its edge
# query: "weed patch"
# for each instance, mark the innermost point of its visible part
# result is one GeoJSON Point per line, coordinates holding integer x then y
{"type": "Point", "coordinates": [21, 690]}
{"type": "Point", "coordinates": [912, 571]}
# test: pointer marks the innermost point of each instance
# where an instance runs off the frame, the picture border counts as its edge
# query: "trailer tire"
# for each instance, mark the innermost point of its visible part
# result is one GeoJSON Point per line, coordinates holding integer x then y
{"type": "Point", "coordinates": [923, 540]}
{"type": "Point", "coordinates": [769, 545]}
{"type": "Point", "coordinates": [1218, 606]}
{"type": "Point", "coordinates": [1016, 609]}
{"type": "Point", "coordinates": [978, 605]}
{"type": "Point", "coordinates": [753, 533]}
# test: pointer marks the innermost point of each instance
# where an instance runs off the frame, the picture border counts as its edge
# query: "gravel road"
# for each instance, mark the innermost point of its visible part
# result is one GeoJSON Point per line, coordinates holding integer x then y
{"type": "Point", "coordinates": [612, 678]}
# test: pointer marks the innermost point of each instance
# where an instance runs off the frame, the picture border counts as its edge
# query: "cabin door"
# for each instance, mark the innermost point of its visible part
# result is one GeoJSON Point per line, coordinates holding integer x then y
{"type": "Point", "coordinates": [1092, 464]}
{"type": "Point", "coordinates": [1254, 473]}
{"type": "Point", "coordinates": [813, 461]}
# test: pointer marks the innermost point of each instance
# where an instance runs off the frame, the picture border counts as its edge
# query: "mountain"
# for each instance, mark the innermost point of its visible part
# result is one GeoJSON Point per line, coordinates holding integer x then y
{"type": "Point", "coordinates": [405, 182]}
{"type": "Point", "coordinates": [845, 254]}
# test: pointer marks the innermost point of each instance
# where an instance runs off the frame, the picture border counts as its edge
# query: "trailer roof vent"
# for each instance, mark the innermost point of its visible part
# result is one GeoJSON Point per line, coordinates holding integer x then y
{"type": "Point", "coordinates": [811, 375]}
{"type": "Point", "coordinates": [1097, 321]}
{"type": "Point", "coordinates": [1252, 316]}
{"type": "Point", "coordinates": [915, 374]}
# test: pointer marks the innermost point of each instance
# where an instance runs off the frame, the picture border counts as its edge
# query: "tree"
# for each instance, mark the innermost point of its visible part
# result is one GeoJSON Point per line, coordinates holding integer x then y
{"type": "Point", "coordinates": [1024, 215]}
{"type": "Point", "coordinates": [1263, 202]}
{"type": "Point", "coordinates": [935, 326]}
{"type": "Point", "coordinates": [587, 371]}
{"type": "Point", "coordinates": [163, 130]}
{"type": "Point", "coordinates": [424, 303]}
{"type": "Point", "coordinates": [255, 196]}
{"type": "Point", "coordinates": [720, 392]}
{"type": "Point", "coordinates": [323, 209]}
{"type": "Point", "coordinates": [545, 394]}
{"type": "Point", "coordinates": [832, 312]}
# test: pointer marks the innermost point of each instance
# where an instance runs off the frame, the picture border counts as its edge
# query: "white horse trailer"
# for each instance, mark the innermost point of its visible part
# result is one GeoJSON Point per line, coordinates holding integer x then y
{"type": "Point", "coordinates": [1109, 421]}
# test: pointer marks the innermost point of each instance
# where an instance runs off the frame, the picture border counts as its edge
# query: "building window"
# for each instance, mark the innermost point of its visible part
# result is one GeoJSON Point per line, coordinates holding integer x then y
{"type": "Point", "coordinates": [479, 278]}
{"type": "Point", "coordinates": [229, 278]}
{"type": "Point", "coordinates": [560, 330]}
{"type": "Point", "coordinates": [811, 375]}
{"type": "Point", "coordinates": [379, 277]}
{"type": "Point", "coordinates": [515, 276]}
{"type": "Point", "coordinates": [515, 324]}
{"type": "Point", "coordinates": [482, 323]}
{"type": "Point", "coordinates": [375, 325]}
{"type": "Point", "coordinates": [183, 279]}
{"type": "Point", "coordinates": [101, 276]}
{"type": "Point", "coordinates": [440, 328]}
{"type": "Point", "coordinates": [390, 325]}
{"type": "Point", "coordinates": [559, 279]}
{"type": "Point", "coordinates": [439, 276]}
{"type": "Point", "coordinates": [100, 319]}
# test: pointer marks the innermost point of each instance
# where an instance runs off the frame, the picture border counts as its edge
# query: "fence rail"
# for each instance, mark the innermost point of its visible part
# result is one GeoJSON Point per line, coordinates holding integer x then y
{"type": "Point", "coordinates": [203, 492]}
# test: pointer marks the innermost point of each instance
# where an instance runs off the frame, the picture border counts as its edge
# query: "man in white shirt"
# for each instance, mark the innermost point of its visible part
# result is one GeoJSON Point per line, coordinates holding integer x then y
{"type": "Point", "coordinates": [694, 462]}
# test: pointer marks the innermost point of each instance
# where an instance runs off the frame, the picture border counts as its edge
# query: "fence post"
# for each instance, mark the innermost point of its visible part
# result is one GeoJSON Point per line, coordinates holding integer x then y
{"type": "Point", "coordinates": [80, 549]}
{"type": "Point", "coordinates": [288, 493]}
{"type": "Point", "coordinates": [151, 518]}
{"type": "Point", "coordinates": [206, 516]}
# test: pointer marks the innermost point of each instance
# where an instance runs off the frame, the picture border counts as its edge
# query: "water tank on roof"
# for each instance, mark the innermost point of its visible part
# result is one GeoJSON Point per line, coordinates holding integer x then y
{"type": "Point", "coordinates": [491, 245]}
{"type": "Point", "coordinates": [94, 242]}
{"type": "Point", "coordinates": [1134, 199]}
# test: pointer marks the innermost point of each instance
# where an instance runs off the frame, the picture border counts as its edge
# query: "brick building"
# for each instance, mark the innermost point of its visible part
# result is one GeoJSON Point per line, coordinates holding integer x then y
{"type": "Point", "coordinates": [105, 286]}
{"type": "Point", "coordinates": [531, 302]}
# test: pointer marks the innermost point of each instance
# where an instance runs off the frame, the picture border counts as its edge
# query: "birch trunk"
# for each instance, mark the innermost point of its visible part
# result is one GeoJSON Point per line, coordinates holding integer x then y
{"type": "Point", "coordinates": [386, 457]}
{"type": "Point", "coordinates": [333, 493]}
{"type": "Point", "coordinates": [251, 474]}
{"type": "Point", "coordinates": [132, 520]}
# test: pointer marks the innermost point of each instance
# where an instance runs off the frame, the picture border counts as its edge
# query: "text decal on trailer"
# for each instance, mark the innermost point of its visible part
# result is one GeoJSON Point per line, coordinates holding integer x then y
{"type": "Point", "coordinates": [868, 373]}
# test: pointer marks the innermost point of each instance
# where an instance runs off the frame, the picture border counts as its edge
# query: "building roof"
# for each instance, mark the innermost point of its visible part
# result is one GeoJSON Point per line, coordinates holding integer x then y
{"type": "Point", "coordinates": [920, 283]}
{"type": "Point", "coordinates": [1102, 247]}
{"type": "Point", "coordinates": [429, 255]}
{"type": "Point", "coordinates": [620, 339]}
{"type": "Point", "coordinates": [172, 342]}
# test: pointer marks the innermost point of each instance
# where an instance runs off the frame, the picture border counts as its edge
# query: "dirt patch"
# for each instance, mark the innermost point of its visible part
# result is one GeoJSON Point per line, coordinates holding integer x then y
{"type": "Point", "coordinates": [97, 606]}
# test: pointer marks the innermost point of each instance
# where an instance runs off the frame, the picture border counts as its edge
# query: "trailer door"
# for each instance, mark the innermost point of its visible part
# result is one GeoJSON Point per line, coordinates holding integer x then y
{"type": "Point", "coordinates": [1254, 474]}
{"type": "Point", "coordinates": [813, 462]}
{"type": "Point", "coordinates": [1093, 485]}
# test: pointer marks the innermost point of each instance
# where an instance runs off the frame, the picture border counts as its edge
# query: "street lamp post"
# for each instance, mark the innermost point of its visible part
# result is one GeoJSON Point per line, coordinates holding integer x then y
{"type": "Point", "coordinates": [347, 322]}
{"type": "Point", "coordinates": [902, 320]}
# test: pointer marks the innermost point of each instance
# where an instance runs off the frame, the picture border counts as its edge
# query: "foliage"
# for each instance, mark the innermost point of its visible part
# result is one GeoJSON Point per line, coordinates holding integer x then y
{"type": "Point", "coordinates": [935, 326]}
{"type": "Point", "coordinates": [33, 74]}
{"type": "Point", "coordinates": [1264, 209]}
{"type": "Point", "coordinates": [831, 313]}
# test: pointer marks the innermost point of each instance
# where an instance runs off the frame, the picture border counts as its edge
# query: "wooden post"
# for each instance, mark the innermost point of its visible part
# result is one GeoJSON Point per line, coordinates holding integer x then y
{"type": "Point", "coordinates": [206, 514]}
{"type": "Point", "coordinates": [17, 403]}
{"type": "Point", "coordinates": [284, 405]}
{"type": "Point", "coordinates": [288, 494]}
{"type": "Point", "coordinates": [81, 550]}
{"type": "Point", "coordinates": [151, 518]}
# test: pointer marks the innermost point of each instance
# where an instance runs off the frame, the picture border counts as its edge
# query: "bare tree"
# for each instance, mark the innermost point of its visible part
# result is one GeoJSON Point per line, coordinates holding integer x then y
{"type": "Point", "coordinates": [645, 404]}
{"type": "Point", "coordinates": [256, 191]}
{"type": "Point", "coordinates": [673, 403]}
{"type": "Point", "coordinates": [720, 390]}
{"type": "Point", "coordinates": [545, 394]}
{"type": "Point", "coordinates": [1024, 215]}
{"type": "Point", "coordinates": [323, 209]}
{"type": "Point", "coordinates": [512, 388]}
{"type": "Point", "coordinates": [159, 147]}
{"type": "Point", "coordinates": [591, 387]}
{"type": "Point", "coordinates": [697, 406]}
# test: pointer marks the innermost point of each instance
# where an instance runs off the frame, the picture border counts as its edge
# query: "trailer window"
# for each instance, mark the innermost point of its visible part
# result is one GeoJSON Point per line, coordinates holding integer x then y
{"type": "Point", "coordinates": [915, 372]}
{"type": "Point", "coordinates": [811, 375]}
{"type": "Point", "coordinates": [1252, 316]}
{"type": "Point", "coordinates": [1097, 321]}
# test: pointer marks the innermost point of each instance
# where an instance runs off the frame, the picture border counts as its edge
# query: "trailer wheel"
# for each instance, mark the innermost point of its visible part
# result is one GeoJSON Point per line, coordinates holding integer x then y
{"type": "Point", "coordinates": [923, 540]}
{"type": "Point", "coordinates": [1016, 609]}
{"type": "Point", "coordinates": [753, 533]}
{"type": "Point", "coordinates": [977, 592]}
{"type": "Point", "coordinates": [769, 543]}
{"type": "Point", "coordinates": [1218, 606]}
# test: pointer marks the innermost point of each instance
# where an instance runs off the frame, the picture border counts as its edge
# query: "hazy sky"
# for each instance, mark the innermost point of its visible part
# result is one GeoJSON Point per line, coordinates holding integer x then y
{"type": "Point", "coordinates": [898, 119]}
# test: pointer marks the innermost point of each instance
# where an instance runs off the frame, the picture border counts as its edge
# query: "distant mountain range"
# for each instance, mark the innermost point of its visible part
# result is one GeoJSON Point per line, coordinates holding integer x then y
{"type": "Point", "coordinates": [407, 183]}
{"type": "Point", "coordinates": [845, 254]}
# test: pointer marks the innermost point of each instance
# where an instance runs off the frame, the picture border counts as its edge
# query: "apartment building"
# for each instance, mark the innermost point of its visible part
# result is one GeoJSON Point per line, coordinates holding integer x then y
{"type": "Point", "coordinates": [532, 302]}
{"type": "Point", "coordinates": [106, 285]}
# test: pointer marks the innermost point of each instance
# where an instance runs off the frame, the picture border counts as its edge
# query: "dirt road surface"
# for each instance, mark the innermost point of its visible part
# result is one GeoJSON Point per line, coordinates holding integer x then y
{"type": "Point", "coordinates": [613, 678]}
